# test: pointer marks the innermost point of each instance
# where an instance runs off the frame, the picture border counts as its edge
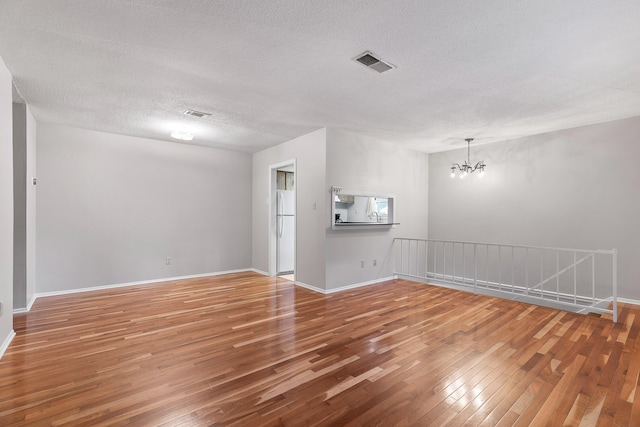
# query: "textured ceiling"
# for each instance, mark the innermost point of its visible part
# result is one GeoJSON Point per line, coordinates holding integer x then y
{"type": "Point", "coordinates": [269, 71]}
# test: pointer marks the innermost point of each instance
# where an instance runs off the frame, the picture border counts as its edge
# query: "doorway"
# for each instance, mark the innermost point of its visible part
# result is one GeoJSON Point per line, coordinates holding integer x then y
{"type": "Point", "coordinates": [283, 219]}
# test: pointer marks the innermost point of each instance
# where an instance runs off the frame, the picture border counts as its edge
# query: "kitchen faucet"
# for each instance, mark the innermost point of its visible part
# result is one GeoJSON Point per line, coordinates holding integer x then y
{"type": "Point", "coordinates": [377, 216]}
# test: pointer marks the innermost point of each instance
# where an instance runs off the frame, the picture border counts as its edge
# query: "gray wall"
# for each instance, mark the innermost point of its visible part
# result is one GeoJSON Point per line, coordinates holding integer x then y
{"type": "Point", "coordinates": [111, 208]}
{"type": "Point", "coordinates": [24, 192]}
{"type": "Point", "coordinates": [309, 151]}
{"type": "Point", "coordinates": [31, 206]}
{"type": "Point", "coordinates": [575, 188]}
{"type": "Point", "coordinates": [6, 204]}
{"type": "Point", "coordinates": [19, 205]}
{"type": "Point", "coordinates": [358, 163]}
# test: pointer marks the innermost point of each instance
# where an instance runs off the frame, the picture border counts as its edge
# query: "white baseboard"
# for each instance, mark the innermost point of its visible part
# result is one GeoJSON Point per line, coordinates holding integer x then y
{"type": "Point", "coordinates": [142, 282]}
{"type": "Point", "coordinates": [27, 308]}
{"type": "Point", "coordinates": [310, 287]}
{"type": "Point", "coordinates": [629, 301]}
{"type": "Point", "coordinates": [255, 270]}
{"type": "Point", "coordinates": [7, 341]}
{"type": "Point", "coordinates": [343, 288]}
{"type": "Point", "coordinates": [359, 285]}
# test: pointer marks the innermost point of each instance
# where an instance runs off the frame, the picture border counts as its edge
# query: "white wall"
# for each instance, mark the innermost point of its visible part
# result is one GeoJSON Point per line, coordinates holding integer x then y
{"type": "Point", "coordinates": [576, 188]}
{"type": "Point", "coordinates": [111, 208]}
{"type": "Point", "coordinates": [358, 163]}
{"type": "Point", "coordinates": [6, 206]}
{"type": "Point", "coordinates": [309, 151]}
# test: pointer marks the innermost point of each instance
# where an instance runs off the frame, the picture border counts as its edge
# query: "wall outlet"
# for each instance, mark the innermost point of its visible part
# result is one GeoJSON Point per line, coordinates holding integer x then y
{"type": "Point", "coordinates": [167, 261]}
{"type": "Point", "coordinates": [361, 264]}
{"type": "Point", "coordinates": [375, 262]}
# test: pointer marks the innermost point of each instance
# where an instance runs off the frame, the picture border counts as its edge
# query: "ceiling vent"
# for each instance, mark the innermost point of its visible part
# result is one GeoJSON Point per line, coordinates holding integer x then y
{"type": "Point", "coordinates": [369, 60]}
{"type": "Point", "coordinates": [195, 113]}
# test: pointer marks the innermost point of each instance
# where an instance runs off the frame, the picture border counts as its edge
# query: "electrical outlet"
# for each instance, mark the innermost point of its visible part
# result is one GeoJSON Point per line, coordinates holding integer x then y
{"type": "Point", "coordinates": [361, 264]}
{"type": "Point", "coordinates": [375, 262]}
{"type": "Point", "coordinates": [167, 261]}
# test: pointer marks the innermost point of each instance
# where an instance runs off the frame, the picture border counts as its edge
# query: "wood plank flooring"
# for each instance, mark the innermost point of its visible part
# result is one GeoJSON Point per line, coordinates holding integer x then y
{"type": "Point", "coordinates": [248, 350]}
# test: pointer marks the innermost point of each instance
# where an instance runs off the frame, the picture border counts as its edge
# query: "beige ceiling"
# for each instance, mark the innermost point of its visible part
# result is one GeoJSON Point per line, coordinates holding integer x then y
{"type": "Point", "coordinates": [271, 70]}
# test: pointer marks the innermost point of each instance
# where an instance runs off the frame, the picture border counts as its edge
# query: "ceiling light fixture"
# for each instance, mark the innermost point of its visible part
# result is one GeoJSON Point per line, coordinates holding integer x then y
{"type": "Point", "coordinates": [181, 135]}
{"type": "Point", "coordinates": [466, 167]}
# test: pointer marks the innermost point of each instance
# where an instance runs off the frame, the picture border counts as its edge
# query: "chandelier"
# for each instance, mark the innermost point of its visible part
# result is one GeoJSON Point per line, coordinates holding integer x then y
{"type": "Point", "coordinates": [466, 167]}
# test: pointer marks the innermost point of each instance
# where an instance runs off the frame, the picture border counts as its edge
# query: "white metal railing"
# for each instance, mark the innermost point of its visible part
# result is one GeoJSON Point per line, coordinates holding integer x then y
{"type": "Point", "coordinates": [585, 280]}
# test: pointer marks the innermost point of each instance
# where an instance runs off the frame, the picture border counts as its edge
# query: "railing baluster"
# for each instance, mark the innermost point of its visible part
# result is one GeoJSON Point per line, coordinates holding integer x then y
{"type": "Point", "coordinates": [513, 289]}
{"type": "Point", "coordinates": [464, 265]}
{"type": "Point", "coordinates": [593, 277]}
{"type": "Point", "coordinates": [541, 277]}
{"type": "Point", "coordinates": [486, 283]}
{"type": "Point", "coordinates": [444, 261]}
{"type": "Point", "coordinates": [575, 279]}
{"type": "Point", "coordinates": [526, 271]}
{"type": "Point", "coordinates": [435, 260]}
{"type": "Point", "coordinates": [557, 275]}
{"type": "Point", "coordinates": [444, 257]}
{"type": "Point", "coordinates": [614, 291]}
{"type": "Point", "coordinates": [417, 252]}
{"type": "Point", "coordinates": [454, 262]}
{"type": "Point", "coordinates": [499, 267]}
{"type": "Point", "coordinates": [475, 269]}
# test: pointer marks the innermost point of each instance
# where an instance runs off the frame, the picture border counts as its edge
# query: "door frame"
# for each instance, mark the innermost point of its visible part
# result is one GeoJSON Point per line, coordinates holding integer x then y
{"type": "Point", "coordinates": [272, 215]}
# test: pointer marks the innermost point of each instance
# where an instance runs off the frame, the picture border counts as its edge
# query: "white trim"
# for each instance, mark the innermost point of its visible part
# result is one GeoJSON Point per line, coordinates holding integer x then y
{"type": "Point", "coordinates": [628, 301]}
{"type": "Point", "coordinates": [255, 270]}
{"type": "Point", "coordinates": [310, 287]}
{"type": "Point", "coordinates": [7, 341]}
{"type": "Point", "coordinates": [33, 299]}
{"type": "Point", "coordinates": [142, 282]}
{"type": "Point", "coordinates": [344, 288]}
{"type": "Point", "coordinates": [28, 308]}
{"type": "Point", "coordinates": [359, 285]}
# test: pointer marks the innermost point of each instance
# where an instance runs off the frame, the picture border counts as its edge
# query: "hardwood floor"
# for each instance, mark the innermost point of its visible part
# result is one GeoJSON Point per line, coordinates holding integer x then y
{"type": "Point", "coordinates": [244, 349]}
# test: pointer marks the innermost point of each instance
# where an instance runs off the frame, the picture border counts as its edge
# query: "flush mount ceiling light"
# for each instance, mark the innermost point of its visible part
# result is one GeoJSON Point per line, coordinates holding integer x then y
{"type": "Point", "coordinates": [181, 135]}
{"type": "Point", "coordinates": [466, 167]}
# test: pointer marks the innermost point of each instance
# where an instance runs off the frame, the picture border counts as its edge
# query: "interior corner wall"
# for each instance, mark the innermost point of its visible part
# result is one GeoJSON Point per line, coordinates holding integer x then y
{"type": "Point", "coordinates": [575, 188]}
{"type": "Point", "coordinates": [312, 194]}
{"type": "Point", "coordinates": [362, 164]}
{"type": "Point", "coordinates": [19, 205]}
{"type": "Point", "coordinates": [6, 205]}
{"type": "Point", "coordinates": [24, 196]}
{"type": "Point", "coordinates": [112, 208]}
{"type": "Point", "coordinates": [31, 205]}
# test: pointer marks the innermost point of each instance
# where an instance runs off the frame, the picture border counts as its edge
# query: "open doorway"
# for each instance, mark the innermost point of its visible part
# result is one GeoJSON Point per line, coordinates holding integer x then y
{"type": "Point", "coordinates": [283, 220]}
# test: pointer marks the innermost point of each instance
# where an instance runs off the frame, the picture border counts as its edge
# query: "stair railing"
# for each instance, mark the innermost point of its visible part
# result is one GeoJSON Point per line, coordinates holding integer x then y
{"type": "Point", "coordinates": [583, 280]}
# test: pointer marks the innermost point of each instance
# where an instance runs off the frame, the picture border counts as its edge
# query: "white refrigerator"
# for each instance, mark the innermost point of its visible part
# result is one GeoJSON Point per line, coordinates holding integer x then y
{"type": "Point", "coordinates": [285, 229]}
